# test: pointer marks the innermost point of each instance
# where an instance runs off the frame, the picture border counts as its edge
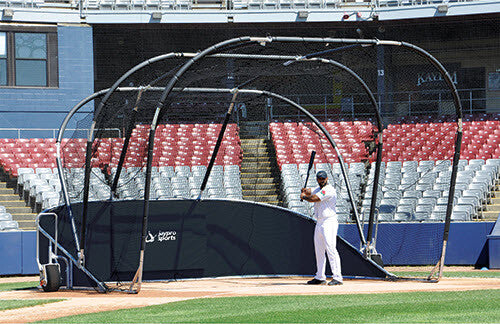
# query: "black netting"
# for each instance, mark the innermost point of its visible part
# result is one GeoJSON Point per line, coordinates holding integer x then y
{"type": "Point", "coordinates": [274, 82]}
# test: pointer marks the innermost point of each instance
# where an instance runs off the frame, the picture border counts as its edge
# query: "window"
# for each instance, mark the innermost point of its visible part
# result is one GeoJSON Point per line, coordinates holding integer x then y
{"type": "Point", "coordinates": [28, 57]}
{"type": "Point", "coordinates": [3, 58]}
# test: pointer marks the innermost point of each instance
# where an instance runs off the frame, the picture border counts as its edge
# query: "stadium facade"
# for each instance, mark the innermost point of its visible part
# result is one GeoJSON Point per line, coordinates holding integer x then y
{"type": "Point", "coordinates": [87, 45]}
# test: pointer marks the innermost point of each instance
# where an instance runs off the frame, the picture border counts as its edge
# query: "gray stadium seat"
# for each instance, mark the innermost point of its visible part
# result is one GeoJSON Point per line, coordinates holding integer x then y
{"type": "Point", "coordinates": [462, 212]}
{"type": "Point", "coordinates": [9, 225]}
{"type": "Point", "coordinates": [421, 216]}
{"type": "Point", "coordinates": [428, 201]}
{"type": "Point", "coordinates": [432, 193]}
{"type": "Point", "coordinates": [401, 217]}
{"type": "Point", "coordinates": [423, 211]}
{"type": "Point", "coordinates": [4, 216]}
{"type": "Point", "coordinates": [388, 206]}
{"type": "Point", "coordinates": [411, 201]}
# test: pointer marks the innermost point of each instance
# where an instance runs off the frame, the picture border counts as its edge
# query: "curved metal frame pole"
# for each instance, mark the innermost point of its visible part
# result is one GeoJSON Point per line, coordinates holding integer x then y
{"type": "Point", "coordinates": [90, 140]}
{"type": "Point", "coordinates": [64, 188]}
{"type": "Point", "coordinates": [175, 78]}
{"type": "Point", "coordinates": [149, 164]}
{"type": "Point", "coordinates": [245, 91]}
{"type": "Point", "coordinates": [458, 110]}
{"type": "Point", "coordinates": [456, 157]}
{"type": "Point", "coordinates": [213, 48]}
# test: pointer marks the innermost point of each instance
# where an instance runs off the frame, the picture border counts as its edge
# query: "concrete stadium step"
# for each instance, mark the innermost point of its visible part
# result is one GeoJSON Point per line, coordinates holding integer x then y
{"type": "Point", "coordinates": [13, 203]}
{"type": "Point", "coordinates": [492, 210]}
{"type": "Point", "coordinates": [257, 169]}
{"type": "Point", "coordinates": [5, 197]}
{"type": "Point", "coordinates": [4, 190]}
{"type": "Point", "coordinates": [249, 142]}
{"type": "Point", "coordinates": [24, 216]}
{"type": "Point", "coordinates": [252, 180]}
{"type": "Point", "coordinates": [19, 210]}
{"type": "Point", "coordinates": [493, 207]}
{"type": "Point", "coordinates": [257, 154]}
{"type": "Point", "coordinates": [490, 215]}
{"type": "Point", "coordinates": [264, 163]}
{"type": "Point", "coordinates": [259, 192]}
{"type": "Point", "coordinates": [268, 199]}
{"type": "Point", "coordinates": [27, 225]}
{"type": "Point", "coordinates": [258, 186]}
{"type": "Point", "coordinates": [245, 175]}
{"type": "Point", "coordinates": [255, 158]}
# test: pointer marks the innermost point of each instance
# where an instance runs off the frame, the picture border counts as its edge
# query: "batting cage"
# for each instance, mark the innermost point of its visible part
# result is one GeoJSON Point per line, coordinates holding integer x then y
{"type": "Point", "coordinates": [169, 176]}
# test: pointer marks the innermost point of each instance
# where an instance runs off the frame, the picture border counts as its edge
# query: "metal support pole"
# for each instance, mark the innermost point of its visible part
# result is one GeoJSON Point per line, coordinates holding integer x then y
{"type": "Point", "coordinates": [218, 143]}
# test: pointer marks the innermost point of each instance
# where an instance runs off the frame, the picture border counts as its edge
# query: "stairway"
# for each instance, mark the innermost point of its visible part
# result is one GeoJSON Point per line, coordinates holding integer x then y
{"type": "Point", "coordinates": [16, 207]}
{"type": "Point", "coordinates": [260, 178]}
{"type": "Point", "coordinates": [492, 210]}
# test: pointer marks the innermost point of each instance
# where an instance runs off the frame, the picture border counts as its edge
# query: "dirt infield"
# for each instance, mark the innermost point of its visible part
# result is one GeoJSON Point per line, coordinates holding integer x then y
{"type": "Point", "coordinates": [84, 301]}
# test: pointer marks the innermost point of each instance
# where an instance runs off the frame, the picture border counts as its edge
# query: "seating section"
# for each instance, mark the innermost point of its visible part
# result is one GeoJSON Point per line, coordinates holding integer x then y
{"type": "Point", "coordinates": [416, 174]}
{"type": "Point", "coordinates": [418, 190]}
{"type": "Point", "coordinates": [294, 141]}
{"type": "Point", "coordinates": [39, 187]}
{"type": "Point", "coordinates": [182, 182]}
{"type": "Point", "coordinates": [180, 158]}
{"type": "Point", "coordinates": [27, 153]}
{"type": "Point", "coordinates": [436, 140]}
{"type": "Point", "coordinates": [413, 185]}
{"type": "Point", "coordinates": [175, 144]}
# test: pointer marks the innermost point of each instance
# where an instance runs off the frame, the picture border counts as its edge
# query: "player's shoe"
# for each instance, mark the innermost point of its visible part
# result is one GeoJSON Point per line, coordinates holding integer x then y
{"type": "Point", "coordinates": [335, 283]}
{"type": "Point", "coordinates": [316, 282]}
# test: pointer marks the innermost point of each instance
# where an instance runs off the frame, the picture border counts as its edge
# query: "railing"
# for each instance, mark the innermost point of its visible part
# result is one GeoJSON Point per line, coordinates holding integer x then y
{"type": "Point", "coordinates": [216, 4]}
{"type": "Point", "coordinates": [54, 131]}
{"type": "Point", "coordinates": [391, 103]}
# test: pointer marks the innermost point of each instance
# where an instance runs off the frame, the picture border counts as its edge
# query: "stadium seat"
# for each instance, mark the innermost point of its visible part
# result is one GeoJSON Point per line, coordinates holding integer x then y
{"type": "Point", "coordinates": [9, 225]}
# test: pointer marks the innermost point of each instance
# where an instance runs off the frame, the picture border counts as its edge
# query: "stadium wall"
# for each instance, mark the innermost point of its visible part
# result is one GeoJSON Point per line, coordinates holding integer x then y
{"type": "Point", "coordinates": [467, 245]}
{"type": "Point", "coordinates": [31, 107]}
{"type": "Point", "coordinates": [454, 41]}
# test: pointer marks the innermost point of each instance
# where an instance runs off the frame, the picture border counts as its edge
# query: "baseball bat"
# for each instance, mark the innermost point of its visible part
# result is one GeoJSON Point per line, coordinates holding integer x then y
{"type": "Point", "coordinates": [311, 161]}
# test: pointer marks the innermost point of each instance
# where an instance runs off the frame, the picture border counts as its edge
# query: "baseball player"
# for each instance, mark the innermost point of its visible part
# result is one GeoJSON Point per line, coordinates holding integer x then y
{"type": "Point", "coordinates": [324, 198]}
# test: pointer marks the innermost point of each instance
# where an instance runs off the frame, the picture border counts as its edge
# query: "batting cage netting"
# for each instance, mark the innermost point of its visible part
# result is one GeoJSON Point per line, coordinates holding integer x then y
{"type": "Point", "coordinates": [386, 144]}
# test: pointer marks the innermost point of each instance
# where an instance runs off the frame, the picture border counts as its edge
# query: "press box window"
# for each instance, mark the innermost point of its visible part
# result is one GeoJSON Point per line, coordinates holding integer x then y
{"type": "Point", "coordinates": [28, 59]}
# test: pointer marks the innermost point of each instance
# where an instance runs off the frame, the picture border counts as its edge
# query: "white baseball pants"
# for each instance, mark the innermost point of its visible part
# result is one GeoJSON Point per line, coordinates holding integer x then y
{"type": "Point", "coordinates": [325, 243]}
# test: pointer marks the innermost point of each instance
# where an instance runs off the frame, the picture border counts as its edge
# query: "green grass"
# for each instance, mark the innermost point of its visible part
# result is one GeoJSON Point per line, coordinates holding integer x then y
{"type": "Point", "coordinates": [15, 303]}
{"type": "Point", "coordinates": [18, 303]}
{"type": "Point", "coordinates": [450, 274]}
{"type": "Point", "coordinates": [481, 306]}
{"type": "Point", "coordinates": [18, 285]}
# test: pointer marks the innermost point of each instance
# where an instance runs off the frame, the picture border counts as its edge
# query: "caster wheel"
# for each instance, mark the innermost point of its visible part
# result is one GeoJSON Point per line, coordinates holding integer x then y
{"type": "Point", "coordinates": [52, 280]}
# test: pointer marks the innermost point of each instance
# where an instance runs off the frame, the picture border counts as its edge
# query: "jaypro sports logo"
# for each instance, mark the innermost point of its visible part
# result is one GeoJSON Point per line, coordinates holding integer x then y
{"type": "Point", "coordinates": [161, 236]}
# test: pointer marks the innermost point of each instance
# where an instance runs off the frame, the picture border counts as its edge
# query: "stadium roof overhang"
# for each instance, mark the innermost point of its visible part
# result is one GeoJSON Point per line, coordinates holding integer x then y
{"type": "Point", "coordinates": [346, 12]}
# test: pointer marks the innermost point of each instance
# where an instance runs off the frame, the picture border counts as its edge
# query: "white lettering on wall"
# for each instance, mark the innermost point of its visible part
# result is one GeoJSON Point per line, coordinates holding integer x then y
{"type": "Point", "coordinates": [423, 78]}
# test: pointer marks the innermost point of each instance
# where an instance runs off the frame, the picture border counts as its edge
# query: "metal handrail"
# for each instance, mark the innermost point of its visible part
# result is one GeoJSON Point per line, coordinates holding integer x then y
{"type": "Point", "coordinates": [256, 5]}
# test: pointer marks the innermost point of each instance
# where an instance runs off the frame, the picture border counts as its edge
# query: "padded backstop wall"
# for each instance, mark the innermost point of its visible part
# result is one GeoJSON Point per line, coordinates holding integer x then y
{"type": "Point", "coordinates": [193, 239]}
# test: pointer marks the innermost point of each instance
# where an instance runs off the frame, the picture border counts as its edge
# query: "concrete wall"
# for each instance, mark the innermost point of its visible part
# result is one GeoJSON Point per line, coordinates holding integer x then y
{"type": "Point", "coordinates": [46, 108]}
